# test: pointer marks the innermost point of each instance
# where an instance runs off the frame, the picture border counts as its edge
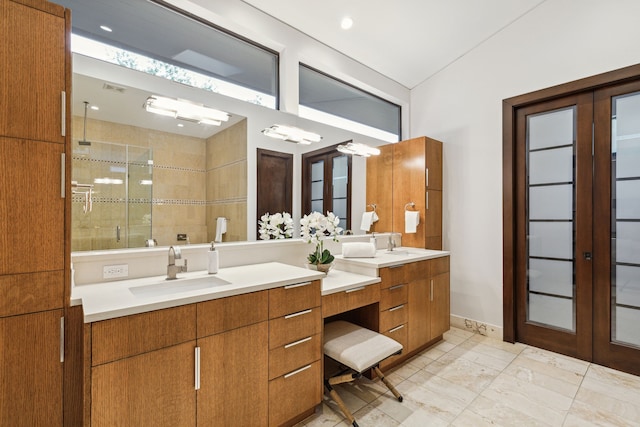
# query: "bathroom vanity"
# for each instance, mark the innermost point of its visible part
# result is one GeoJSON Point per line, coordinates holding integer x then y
{"type": "Point", "coordinates": [244, 346]}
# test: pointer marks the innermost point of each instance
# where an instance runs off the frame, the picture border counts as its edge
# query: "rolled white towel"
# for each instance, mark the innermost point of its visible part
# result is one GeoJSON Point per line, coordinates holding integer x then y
{"type": "Point", "coordinates": [358, 250]}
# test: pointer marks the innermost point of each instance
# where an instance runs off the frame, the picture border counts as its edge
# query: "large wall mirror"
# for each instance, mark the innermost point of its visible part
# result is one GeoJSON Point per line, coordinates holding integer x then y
{"type": "Point", "coordinates": [142, 177]}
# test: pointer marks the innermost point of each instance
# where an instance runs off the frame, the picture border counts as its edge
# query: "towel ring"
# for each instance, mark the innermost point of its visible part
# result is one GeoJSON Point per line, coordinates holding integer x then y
{"type": "Point", "coordinates": [411, 204]}
{"type": "Point", "coordinates": [374, 206]}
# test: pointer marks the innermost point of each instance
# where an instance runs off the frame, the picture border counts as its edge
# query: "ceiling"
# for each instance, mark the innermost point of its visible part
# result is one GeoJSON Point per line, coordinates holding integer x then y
{"type": "Point", "coordinates": [408, 40]}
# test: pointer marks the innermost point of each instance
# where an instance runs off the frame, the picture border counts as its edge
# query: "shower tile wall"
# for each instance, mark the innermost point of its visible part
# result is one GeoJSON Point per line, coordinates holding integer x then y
{"type": "Point", "coordinates": [227, 182]}
{"type": "Point", "coordinates": [192, 185]}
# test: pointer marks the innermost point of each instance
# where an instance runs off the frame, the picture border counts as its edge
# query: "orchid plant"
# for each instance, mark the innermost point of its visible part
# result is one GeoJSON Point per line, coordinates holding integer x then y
{"type": "Point", "coordinates": [276, 226]}
{"type": "Point", "coordinates": [314, 228]}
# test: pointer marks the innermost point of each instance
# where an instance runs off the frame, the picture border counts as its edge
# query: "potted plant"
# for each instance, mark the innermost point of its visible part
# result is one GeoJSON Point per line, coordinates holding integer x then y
{"type": "Point", "coordinates": [314, 228]}
{"type": "Point", "coordinates": [276, 226]}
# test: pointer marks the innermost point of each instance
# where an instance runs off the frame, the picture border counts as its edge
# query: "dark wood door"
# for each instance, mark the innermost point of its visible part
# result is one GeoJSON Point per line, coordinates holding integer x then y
{"type": "Point", "coordinates": [274, 182]}
{"type": "Point", "coordinates": [616, 253]}
{"type": "Point", "coordinates": [553, 225]}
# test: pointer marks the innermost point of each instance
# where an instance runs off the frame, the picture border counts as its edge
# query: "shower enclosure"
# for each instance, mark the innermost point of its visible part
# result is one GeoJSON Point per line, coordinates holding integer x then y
{"type": "Point", "coordinates": [112, 196]}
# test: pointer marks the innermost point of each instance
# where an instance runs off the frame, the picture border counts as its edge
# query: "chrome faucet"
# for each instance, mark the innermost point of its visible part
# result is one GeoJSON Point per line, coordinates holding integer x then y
{"type": "Point", "coordinates": [391, 243]}
{"type": "Point", "coordinates": [172, 268]}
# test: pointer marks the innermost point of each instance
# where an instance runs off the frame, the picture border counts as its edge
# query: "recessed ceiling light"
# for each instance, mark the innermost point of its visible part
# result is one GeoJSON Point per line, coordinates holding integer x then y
{"type": "Point", "coordinates": [105, 28]}
{"type": "Point", "coordinates": [94, 107]}
{"type": "Point", "coordinates": [346, 23]}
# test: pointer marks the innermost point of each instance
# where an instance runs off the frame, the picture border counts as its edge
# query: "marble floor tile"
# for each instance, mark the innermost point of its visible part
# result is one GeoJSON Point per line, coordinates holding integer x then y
{"type": "Point", "coordinates": [473, 380]}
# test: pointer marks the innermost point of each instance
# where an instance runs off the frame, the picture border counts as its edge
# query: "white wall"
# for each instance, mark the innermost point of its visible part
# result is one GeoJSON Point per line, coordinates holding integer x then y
{"type": "Point", "coordinates": [559, 41]}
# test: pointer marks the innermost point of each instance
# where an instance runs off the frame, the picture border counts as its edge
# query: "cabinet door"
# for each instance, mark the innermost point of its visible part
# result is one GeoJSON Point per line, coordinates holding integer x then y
{"type": "Point", "coordinates": [419, 322]}
{"type": "Point", "coordinates": [440, 304]}
{"type": "Point", "coordinates": [152, 389]}
{"type": "Point", "coordinates": [409, 187]}
{"type": "Point", "coordinates": [433, 164]}
{"type": "Point", "coordinates": [30, 370]}
{"type": "Point", "coordinates": [31, 206]}
{"type": "Point", "coordinates": [32, 72]}
{"type": "Point", "coordinates": [379, 189]}
{"type": "Point", "coordinates": [234, 382]}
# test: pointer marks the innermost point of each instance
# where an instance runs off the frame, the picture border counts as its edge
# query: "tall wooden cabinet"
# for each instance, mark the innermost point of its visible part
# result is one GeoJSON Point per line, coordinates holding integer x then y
{"type": "Point", "coordinates": [414, 169]}
{"type": "Point", "coordinates": [34, 213]}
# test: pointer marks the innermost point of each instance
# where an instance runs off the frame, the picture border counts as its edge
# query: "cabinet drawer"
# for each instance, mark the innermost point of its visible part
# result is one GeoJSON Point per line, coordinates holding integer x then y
{"type": "Point", "coordinates": [439, 265]}
{"type": "Point", "coordinates": [401, 334]}
{"type": "Point", "coordinates": [130, 335]}
{"type": "Point", "coordinates": [293, 298]}
{"type": "Point", "coordinates": [350, 299]}
{"type": "Point", "coordinates": [224, 314]}
{"type": "Point", "coordinates": [294, 393]}
{"type": "Point", "coordinates": [394, 275]}
{"type": "Point", "coordinates": [393, 296]}
{"type": "Point", "coordinates": [393, 317]}
{"type": "Point", "coordinates": [418, 270]}
{"type": "Point", "coordinates": [294, 327]}
{"type": "Point", "coordinates": [294, 355]}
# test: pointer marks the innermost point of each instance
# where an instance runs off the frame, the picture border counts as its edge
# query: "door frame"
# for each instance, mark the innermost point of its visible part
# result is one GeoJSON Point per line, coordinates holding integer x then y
{"type": "Point", "coordinates": [510, 107]}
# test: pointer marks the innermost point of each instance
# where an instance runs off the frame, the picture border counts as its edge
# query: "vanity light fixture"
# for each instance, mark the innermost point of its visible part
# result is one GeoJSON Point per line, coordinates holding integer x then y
{"type": "Point", "coordinates": [185, 110]}
{"type": "Point", "coordinates": [292, 134]}
{"type": "Point", "coordinates": [358, 149]}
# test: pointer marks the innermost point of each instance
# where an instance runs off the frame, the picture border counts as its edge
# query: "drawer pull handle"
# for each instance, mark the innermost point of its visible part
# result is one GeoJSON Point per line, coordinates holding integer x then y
{"type": "Point", "coordinates": [297, 285]}
{"type": "Point", "coordinates": [393, 288]}
{"type": "Point", "coordinates": [197, 373]}
{"type": "Point", "coordinates": [293, 344]}
{"type": "Point", "coordinates": [396, 266]}
{"type": "Point", "coordinates": [290, 374]}
{"type": "Point", "coordinates": [300, 313]}
{"type": "Point", "coordinates": [62, 340]}
{"type": "Point", "coordinates": [63, 116]}
{"type": "Point", "coordinates": [397, 328]}
{"type": "Point", "coordinates": [431, 291]}
{"type": "Point", "coordinates": [361, 288]}
{"type": "Point", "coordinates": [396, 308]}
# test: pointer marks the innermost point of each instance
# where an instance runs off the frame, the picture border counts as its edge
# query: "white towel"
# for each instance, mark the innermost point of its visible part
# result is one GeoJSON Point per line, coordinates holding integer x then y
{"type": "Point", "coordinates": [358, 250]}
{"type": "Point", "coordinates": [221, 228]}
{"type": "Point", "coordinates": [368, 218]}
{"type": "Point", "coordinates": [411, 221]}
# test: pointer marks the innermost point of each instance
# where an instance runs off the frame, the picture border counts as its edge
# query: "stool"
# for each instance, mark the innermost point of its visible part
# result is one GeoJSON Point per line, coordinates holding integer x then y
{"type": "Point", "coordinates": [359, 349]}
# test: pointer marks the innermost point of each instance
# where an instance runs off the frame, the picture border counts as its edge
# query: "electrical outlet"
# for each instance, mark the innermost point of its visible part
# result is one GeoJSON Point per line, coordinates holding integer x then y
{"type": "Point", "coordinates": [115, 271]}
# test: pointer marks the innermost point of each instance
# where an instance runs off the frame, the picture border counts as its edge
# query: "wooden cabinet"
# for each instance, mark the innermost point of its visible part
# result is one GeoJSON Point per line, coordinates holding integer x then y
{"type": "Point", "coordinates": [234, 377]}
{"type": "Point", "coordinates": [34, 268]}
{"type": "Point", "coordinates": [32, 70]}
{"type": "Point", "coordinates": [379, 188]}
{"type": "Point", "coordinates": [295, 348]}
{"type": "Point", "coordinates": [31, 370]}
{"type": "Point", "coordinates": [414, 169]}
{"type": "Point", "coordinates": [233, 347]}
{"type": "Point", "coordinates": [414, 305]}
{"type": "Point", "coordinates": [440, 296]}
{"type": "Point", "coordinates": [143, 369]}
{"type": "Point", "coordinates": [151, 389]}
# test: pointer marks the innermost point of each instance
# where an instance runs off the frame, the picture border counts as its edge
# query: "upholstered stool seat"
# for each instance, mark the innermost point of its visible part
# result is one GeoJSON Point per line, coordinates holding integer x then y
{"type": "Point", "coordinates": [358, 349]}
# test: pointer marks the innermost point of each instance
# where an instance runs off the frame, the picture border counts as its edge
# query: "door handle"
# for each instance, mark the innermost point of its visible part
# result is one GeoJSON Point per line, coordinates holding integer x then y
{"type": "Point", "coordinates": [587, 256]}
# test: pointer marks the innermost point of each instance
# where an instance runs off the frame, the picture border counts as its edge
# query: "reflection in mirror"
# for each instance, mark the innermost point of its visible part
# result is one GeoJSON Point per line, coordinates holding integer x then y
{"type": "Point", "coordinates": [196, 173]}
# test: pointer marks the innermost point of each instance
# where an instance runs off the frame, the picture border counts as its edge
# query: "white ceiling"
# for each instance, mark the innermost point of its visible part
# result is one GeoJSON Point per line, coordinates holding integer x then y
{"type": "Point", "coordinates": [405, 40]}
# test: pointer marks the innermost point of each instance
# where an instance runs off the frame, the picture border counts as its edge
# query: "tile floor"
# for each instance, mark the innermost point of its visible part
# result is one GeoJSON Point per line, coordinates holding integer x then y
{"type": "Point", "coordinates": [473, 380]}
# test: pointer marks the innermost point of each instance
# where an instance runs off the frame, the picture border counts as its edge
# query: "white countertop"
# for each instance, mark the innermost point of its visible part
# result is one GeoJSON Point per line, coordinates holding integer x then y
{"type": "Point", "coordinates": [337, 281]}
{"type": "Point", "coordinates": [402, 255]}
{"type": "Point", "coordinates": [114, 299]}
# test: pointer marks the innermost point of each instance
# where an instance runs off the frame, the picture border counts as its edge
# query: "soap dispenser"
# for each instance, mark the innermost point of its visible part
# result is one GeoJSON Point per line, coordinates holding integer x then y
{"type": "Point", "coordinates": [213, 259]}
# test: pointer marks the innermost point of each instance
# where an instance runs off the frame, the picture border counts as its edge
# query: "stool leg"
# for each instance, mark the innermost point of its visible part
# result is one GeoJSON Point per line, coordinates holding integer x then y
{"type": "Point", "coordinates": [388, 384]}
{"type": "Point", "coordinates": [336, 398]}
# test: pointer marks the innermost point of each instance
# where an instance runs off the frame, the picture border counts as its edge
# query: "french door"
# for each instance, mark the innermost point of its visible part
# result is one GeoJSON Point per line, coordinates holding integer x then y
{"type": "Point", "coordinates": [576, 217]}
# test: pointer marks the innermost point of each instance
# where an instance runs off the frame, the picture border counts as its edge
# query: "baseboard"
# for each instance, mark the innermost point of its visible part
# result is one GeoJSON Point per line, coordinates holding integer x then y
{"type": "Point", "coordinates": [477, 327]}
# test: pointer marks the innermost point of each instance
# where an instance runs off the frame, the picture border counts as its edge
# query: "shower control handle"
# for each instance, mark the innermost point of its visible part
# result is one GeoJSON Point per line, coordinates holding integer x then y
{"type": "Point", "coordinates": [117, 233]}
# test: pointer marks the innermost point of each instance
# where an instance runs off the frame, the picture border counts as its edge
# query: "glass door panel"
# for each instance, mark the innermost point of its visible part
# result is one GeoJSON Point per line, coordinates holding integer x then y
{"type": "Point", "coordinates": [317, 187]}
{"type": "Point", "coordinates": [550, 219]}
{"type": "Point", "coordinates": [625, 214]}
{"type": "Point", "coordinates": [340, 182]}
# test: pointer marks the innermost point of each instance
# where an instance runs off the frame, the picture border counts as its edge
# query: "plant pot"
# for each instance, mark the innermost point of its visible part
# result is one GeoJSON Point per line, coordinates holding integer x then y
{"type": "Point", "coordinates": [324, 268]}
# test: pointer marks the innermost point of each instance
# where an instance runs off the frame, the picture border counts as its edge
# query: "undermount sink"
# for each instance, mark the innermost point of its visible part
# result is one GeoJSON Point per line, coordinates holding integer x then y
{"type": "Point", "coordinates": [398, 252]}
{"type": "Point", "coordinates": [176, 286]}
